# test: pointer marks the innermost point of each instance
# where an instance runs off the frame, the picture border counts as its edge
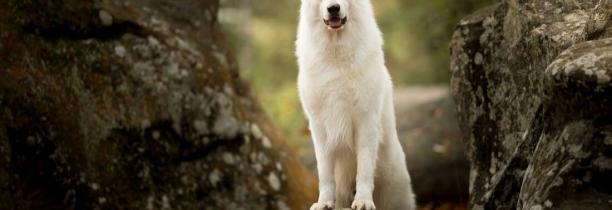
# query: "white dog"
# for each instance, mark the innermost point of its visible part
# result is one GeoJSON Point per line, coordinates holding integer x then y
{"type": "Point", "coordinates": [346, 92]}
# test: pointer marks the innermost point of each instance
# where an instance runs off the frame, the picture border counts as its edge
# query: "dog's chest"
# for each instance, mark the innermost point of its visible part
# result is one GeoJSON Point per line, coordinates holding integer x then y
{"type": "Point", "coordinates": [337, 95]}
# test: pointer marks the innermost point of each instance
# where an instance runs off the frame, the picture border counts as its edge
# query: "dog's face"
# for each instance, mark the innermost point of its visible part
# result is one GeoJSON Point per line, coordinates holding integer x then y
{"type": "Point", "coordinates": [334, 13]}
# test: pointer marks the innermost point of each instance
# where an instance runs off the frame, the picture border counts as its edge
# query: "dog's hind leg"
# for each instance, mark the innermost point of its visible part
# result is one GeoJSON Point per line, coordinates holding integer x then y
{"type": "Point", "coordinates": [345, 178]}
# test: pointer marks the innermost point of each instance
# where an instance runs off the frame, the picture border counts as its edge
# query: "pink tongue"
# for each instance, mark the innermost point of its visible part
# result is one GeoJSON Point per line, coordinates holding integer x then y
{"type": "Point", "coordinates": [335, 23]}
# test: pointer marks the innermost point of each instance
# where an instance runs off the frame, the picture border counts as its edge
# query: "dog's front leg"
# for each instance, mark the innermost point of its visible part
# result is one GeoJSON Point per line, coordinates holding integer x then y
{"type": "Point", "coordinates": [325, 168]}
{"type": "Point", "coordinates": [369, 134]}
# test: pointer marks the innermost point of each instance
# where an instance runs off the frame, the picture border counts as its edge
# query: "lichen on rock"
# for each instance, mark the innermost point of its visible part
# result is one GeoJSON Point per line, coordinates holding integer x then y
{"type": "Point", "coordinates": [533, 97]}
{"type": "Point", "coordinates": [133, 105]}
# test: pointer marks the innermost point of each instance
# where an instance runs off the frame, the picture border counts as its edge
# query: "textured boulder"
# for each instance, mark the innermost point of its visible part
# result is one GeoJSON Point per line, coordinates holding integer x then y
{"type": "Point", "coordinates": [531, 80]}
{"type": "Point", "coordinates": [133, 105]}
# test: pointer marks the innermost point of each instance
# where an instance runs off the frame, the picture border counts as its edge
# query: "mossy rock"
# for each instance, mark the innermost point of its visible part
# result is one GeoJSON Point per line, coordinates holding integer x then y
{"type": "Point", "coordinates": [133, 105]}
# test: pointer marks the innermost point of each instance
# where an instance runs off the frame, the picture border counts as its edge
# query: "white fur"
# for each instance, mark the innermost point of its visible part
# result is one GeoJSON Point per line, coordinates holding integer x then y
{"type": "Point", "coordinates": [346, 93]}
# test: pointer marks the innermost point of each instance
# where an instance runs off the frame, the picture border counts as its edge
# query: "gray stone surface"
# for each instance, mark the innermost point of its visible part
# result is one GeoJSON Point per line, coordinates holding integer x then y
{"type": "Point", "coordinates": [531, 80]}
{"type": "Point", "coordinates": [133, 105]}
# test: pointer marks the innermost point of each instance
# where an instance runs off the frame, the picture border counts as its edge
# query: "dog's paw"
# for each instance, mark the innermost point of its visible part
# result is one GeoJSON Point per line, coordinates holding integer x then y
{"type": "Point", "coordinates": [329, 205]}
{"type": "Point", "coordinates": [363, 205]}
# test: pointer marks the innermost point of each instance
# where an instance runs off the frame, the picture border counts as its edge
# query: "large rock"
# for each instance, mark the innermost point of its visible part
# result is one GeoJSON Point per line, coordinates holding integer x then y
{"type": "Point", "coordinates": [531, 80]}
{"type": "Point", "coordinates": [133, 105]}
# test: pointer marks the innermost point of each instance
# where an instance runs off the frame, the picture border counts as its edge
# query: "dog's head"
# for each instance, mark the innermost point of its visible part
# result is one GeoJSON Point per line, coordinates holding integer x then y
{"type": "Point", "coordinates": [333, 13]}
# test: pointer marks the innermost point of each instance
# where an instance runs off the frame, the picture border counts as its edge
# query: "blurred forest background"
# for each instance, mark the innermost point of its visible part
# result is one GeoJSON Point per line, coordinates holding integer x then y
{"type": "Point", "coordinates": [262, 33]}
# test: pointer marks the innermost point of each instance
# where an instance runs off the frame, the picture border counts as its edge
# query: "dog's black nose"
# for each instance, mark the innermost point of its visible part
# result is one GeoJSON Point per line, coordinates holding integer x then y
{"type": "Point", "coordinates": [333, 9]}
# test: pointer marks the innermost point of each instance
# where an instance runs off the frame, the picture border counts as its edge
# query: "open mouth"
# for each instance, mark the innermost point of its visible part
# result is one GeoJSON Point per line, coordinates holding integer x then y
{"type": "Point", "coordinates": [335, 22]}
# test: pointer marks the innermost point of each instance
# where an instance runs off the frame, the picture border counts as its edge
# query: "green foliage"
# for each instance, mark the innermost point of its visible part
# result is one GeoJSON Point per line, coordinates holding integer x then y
{"type": "Point", "coordinates": [417, 33]}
